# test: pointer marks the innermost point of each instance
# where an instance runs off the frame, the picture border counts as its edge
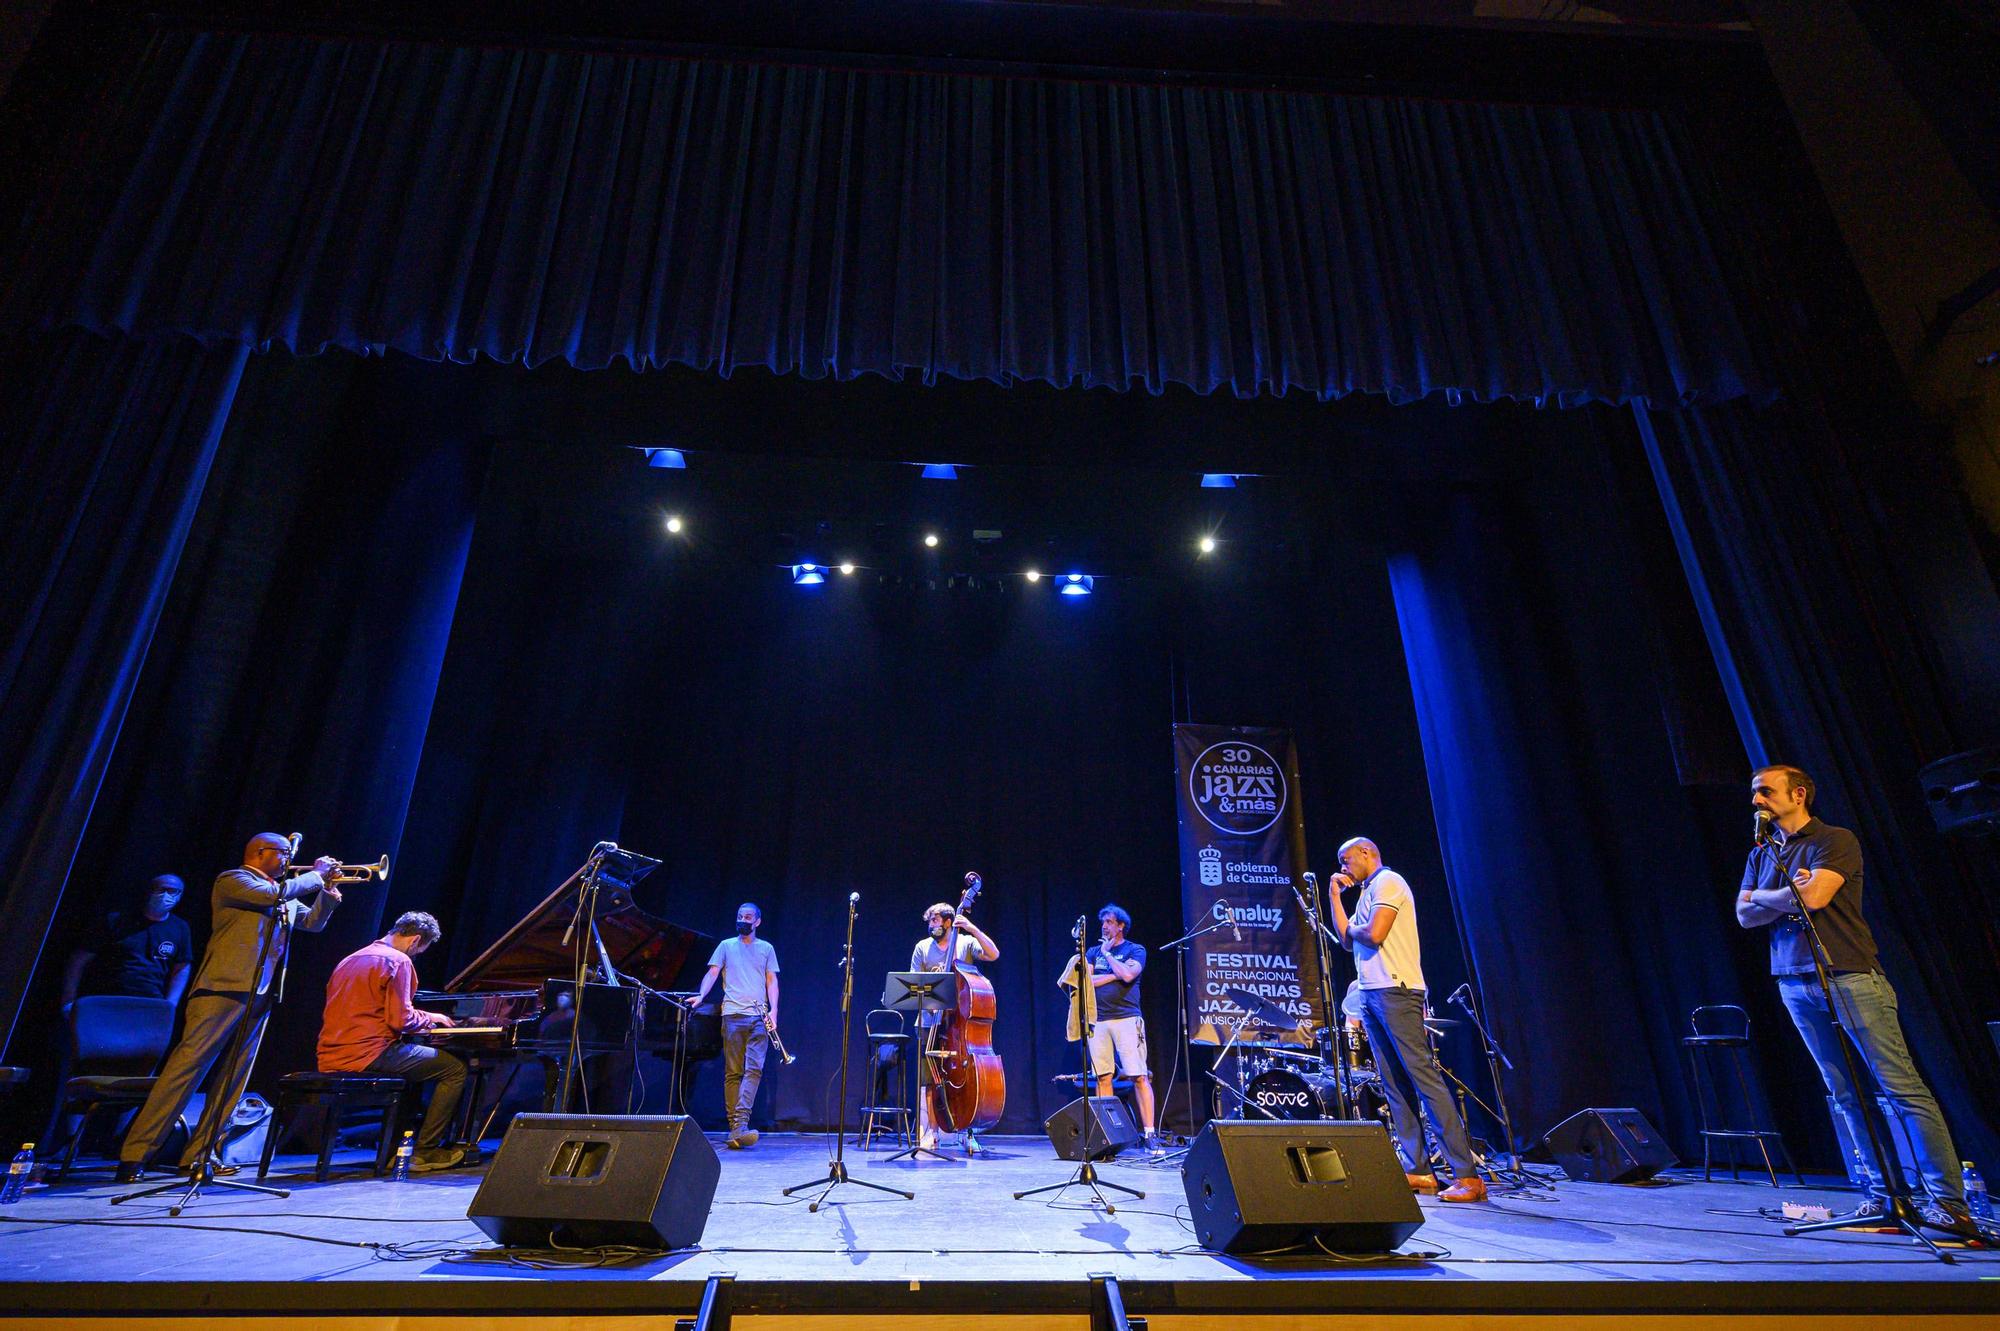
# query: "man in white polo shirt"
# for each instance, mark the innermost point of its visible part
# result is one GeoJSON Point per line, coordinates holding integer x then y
{"type": "Point", "coordinates": [1382, 935]}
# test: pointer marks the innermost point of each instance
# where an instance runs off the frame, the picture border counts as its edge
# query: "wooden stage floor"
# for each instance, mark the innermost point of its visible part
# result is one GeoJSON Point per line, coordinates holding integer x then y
{"type": "Point", "coordinates": [356, 1247]}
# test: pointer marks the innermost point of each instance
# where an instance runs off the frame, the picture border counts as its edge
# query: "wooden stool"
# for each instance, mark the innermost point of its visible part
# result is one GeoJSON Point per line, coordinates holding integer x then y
{"type": "Point", "coordinates": [330, 1095]}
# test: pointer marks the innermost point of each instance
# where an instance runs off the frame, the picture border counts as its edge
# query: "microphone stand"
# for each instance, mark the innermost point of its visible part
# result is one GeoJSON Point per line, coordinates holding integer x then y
{"type": "Point", "coordinates": [1179, 948]}
{"type": "Point", "coordinates": [1086, 1173]}
{"type": "Point", "coordinates": [836, 1168]}
{"type": "Point", "coordinates": [1898, 1209]}
{"type": "Point", "coordinates": [1508, 1168]}
{"type": "Point", "coordinates": [1330, 1016]}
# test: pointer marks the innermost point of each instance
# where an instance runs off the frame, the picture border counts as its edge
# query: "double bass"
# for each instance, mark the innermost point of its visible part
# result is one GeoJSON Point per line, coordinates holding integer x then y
{"type": "Point", "coordinates": [969, 1088]}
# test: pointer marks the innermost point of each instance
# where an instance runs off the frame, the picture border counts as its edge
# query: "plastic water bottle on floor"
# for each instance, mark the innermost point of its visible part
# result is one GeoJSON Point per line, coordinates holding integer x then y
{"type": "Point", "coordinates": [399, 1167]}
{"type": "Point", "coordinates": [17, 1174]}
{"type": "Point", "coordinates": [1976, 1199]}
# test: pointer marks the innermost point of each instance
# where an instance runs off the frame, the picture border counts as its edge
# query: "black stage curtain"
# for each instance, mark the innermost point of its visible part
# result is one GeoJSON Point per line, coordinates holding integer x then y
{"type": "Point", "coordinates": [538, 205]}
{"type": "Point", "coordinates": [107, 444]}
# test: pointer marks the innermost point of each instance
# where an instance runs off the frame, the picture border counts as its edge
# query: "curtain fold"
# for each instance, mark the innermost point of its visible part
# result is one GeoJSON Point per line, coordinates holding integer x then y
{"type": "Point", "coordinates": [541, 205]}
{"type": "Point", "coordinates": [1828, 664]}
{"type": "Point", "coordinates": [107, 444]}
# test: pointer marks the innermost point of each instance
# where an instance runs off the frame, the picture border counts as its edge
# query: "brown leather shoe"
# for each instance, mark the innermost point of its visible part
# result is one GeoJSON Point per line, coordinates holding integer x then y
{"type": "Point", "coordinates": [1471, 1188]}
{"type": "Point", "coordinates": [1422, 1182]}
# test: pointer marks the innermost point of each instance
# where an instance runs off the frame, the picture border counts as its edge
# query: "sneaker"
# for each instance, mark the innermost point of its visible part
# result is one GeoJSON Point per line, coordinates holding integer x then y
{"type": "Point", "coordinates": [744, 1137]}
{"type": "Point", "coordinates": [927, 1142]}
{"type": "Point", "coordinates": [436, 1158]}
{"type": "Point", "coordinates": [1152, 1146]}
{"type": "Point", "coordinates": [1950, 1217]}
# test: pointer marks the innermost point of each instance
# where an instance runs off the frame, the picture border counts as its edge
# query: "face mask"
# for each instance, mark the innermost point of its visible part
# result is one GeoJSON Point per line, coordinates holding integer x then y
{"type": "Point", "coordinates": [746, 926]}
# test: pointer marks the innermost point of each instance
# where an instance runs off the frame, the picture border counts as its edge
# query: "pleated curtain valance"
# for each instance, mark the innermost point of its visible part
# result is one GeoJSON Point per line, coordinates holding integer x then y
{"type": "Point", "coordinates": [555, 205]}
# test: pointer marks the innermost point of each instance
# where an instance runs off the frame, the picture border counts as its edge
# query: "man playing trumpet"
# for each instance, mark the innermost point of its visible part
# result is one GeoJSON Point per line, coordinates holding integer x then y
{"type": "Point", "coordinates": [254, 910]}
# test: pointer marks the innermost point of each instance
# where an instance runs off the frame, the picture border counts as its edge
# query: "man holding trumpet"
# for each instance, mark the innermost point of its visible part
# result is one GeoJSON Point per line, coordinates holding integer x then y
{"type": "Point", "coordinates": [254, 909]}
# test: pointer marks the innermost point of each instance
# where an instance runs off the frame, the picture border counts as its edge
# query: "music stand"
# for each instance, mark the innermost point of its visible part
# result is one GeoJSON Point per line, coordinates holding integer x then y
{"type": "Point", "coordinates": [920, 992]}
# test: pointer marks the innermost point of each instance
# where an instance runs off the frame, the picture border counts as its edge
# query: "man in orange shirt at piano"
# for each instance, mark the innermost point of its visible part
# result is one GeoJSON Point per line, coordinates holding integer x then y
{"type": "Point", "coordinates": [370, 1017]}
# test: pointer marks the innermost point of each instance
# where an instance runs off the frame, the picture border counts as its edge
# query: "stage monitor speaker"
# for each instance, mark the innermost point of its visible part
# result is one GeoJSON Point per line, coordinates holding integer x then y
{"type": "Point", "coordinates": [589, 1181]}
{"type": "Point", "coordinates": [1256, 1187]}
{"type": "Point", "coordinates": [1963, 792]}
{"type": "Point", "coordinates": [1095, 1127]}
{"type": "Point", "coordinates": [1608, 1146]}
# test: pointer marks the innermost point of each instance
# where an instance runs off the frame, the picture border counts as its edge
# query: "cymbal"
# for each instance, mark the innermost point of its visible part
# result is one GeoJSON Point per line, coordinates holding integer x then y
{"type": "Point", "coordinates": [1262, 1010]}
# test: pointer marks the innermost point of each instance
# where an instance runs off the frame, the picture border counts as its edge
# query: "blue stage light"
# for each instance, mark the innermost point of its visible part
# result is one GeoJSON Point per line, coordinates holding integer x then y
{"type": "Point", "coordinates": [1218, 480]}
{"type": "Point", "coordinates": [1076, 584]}
{"type": "Point", "coordinates": [807, 575]}
{"type": "Point", "coordinates": [940, 471]}
{"type": "Point", "coordinates": [670, 458]}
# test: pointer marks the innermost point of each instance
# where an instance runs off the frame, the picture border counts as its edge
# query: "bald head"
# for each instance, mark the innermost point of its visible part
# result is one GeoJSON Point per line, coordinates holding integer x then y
{"type": "Point", "coordinates": [1359, 857]}
{"type": "Point", "coordinates": [268, 853]}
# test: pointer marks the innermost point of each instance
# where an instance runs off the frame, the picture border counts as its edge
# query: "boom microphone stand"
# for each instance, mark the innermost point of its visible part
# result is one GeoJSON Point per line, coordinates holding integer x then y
{"type": "Point", "coordinates": [836, 1168]}
{"type": "Point", "coordinates": [1506, 1166]}
{"type": "Point", "coordinates": [1898, 1209]}
{"type": "Point", "coordinates": [1086, 1173]}
{"type": "Point", "coordinates": [1330, 1014]}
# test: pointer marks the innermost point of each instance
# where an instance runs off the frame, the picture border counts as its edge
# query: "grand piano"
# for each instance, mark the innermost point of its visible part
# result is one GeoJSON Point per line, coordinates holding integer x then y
{"type": "Point", "coordinates": [519, 1001]}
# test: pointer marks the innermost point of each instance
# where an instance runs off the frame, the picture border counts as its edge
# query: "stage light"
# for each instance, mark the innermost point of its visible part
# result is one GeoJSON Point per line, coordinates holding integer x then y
{"type": "Point", "coordinates": [1218, 480]}
{"type": "Point", "coordinates": [1076, 584]}
{"type": "Point", "coordinates": [940, 471]}
{"type": "Point", "coordinates": [847, 570]}
{"type": "Point", "coordinates": [807, 575]}
{"type": "Point", "coordinates": [1207, 545]}
{"type": "Point", "coordinates": [930, 539]}
{"type": "Point", "coordinates": [670, 458]}
{"type": "Point", "coordinates": [674, 524]}
{"type": "Point", "coordinates": [1034, 575]}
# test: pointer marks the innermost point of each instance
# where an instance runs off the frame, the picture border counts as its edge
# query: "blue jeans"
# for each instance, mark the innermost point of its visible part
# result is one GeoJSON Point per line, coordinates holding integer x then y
{"type": "Point", "coordinates": [1868, 1010]}
{"type": "Point", "coordinates": [1394, 1019]}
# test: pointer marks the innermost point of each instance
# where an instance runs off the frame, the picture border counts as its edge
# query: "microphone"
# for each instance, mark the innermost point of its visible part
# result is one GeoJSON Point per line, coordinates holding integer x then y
{"type": "Point", "coordinates": [1459, 994]}
{"type": "Point", "coordinates": [1762, 832]}
{"type": "Point", "coordinates": [295, 838]}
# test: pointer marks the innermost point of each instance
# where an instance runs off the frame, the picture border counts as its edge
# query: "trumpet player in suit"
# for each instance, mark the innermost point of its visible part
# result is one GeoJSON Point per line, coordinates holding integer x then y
{"type": "Point", "coordinates": [255, 910]}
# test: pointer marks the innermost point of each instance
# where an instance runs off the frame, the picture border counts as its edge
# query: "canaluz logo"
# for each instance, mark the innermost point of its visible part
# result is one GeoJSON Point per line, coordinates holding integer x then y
{"type": "Point", "coordinates": [1237, 787]}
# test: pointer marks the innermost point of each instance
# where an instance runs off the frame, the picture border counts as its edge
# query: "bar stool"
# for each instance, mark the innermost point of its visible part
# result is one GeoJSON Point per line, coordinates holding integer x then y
{"type": "Point", "coordinates": [327, 1096]}
{"type": "Point", "coordinates": [888, 1054]}
{"type": "Point", "coordinates": [1718, 1030]}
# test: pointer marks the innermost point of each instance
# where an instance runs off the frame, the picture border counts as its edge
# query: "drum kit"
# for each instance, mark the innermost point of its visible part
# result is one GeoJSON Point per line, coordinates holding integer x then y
{"type": "Point", "coordinates": [1282, 1079]}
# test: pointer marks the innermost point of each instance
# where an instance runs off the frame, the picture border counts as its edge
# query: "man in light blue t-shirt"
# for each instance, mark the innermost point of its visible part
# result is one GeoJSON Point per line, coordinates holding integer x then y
{"type": "Point", "coordinates": [1382, 935]}
{"type": "Point", "coordinates": [748, 967]}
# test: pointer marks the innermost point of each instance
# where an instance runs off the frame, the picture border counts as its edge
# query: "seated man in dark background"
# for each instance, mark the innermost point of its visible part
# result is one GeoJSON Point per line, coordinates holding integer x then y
{"type": "Point", "coordinates": [144, 951]}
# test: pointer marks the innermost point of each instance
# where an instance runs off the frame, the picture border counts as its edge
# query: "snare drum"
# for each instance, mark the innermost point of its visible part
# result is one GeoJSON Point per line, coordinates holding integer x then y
{"type": "Point", "coordinates": [1284, 1093]}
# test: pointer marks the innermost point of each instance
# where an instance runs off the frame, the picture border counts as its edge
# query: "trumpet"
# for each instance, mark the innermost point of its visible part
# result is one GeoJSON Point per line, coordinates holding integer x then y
{"type": "Point", "coordinates": [779, 1045]}
{"type": "Point", "coordinates": [360, 873]}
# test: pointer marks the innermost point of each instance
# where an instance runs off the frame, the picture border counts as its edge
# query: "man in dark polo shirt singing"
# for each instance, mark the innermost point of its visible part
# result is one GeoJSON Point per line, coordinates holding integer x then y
{"type": "Point", "coordinates": [1825, 864]}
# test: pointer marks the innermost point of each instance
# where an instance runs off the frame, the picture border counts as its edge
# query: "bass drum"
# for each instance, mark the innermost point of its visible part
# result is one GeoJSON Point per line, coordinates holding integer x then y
{"type": "Point", "coordinates": [1283, 1093]}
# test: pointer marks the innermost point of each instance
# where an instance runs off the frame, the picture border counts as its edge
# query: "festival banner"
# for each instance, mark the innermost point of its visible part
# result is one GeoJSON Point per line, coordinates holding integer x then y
{"type": "Point", "coordinates": [1243, 846]}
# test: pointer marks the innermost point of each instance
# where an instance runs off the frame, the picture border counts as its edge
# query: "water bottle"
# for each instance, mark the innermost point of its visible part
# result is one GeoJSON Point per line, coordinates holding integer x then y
{"type": "Point", "coordinates": [23, 1166]}
{"type": "Point", "coordinates": [1976, 1199]}
{"type": "Point", "coordinates": [399, 1168]}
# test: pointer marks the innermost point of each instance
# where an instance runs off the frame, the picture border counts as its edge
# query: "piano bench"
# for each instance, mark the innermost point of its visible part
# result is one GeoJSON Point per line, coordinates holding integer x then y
{"type": "Point", "coordinates": [327, 1096]}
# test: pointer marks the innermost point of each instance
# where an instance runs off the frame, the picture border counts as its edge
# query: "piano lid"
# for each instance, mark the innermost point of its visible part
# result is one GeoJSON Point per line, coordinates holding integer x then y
{"type": "Point", "coordinates": [642, 945]}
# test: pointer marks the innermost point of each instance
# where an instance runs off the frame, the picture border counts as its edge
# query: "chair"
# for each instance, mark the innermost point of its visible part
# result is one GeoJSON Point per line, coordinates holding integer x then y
{"type": "Point", "coordinates": [1719, 1030]}
{"type": "Point", "coordinates": [328, 1096]}
{"type": "Point", "coordinates": [888, 1089]}
{"type": "Point", "coordinates": [112, 1048]}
